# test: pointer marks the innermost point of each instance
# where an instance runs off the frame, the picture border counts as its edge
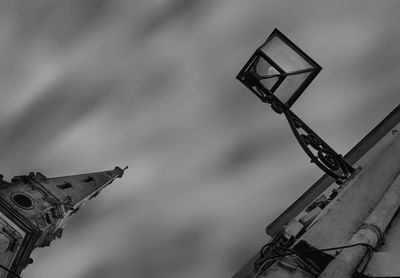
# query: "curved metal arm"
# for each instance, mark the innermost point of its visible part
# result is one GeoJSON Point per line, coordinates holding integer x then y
{"type": "Point", "coordinates": [324, 157]}
{"type": "Point", "coordinates": [320, 153]}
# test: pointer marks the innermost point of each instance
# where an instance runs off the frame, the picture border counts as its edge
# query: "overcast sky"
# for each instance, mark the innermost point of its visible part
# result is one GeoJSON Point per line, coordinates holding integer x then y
{"type": "Point", "coordinates": [88, 85]}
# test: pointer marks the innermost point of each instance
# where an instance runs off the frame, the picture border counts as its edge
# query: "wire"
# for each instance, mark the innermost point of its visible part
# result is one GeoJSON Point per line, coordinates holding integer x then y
{"type": "Point", "coordinates": [370, 247]}
{"type": "Point", "coordinates": [305, 269]}
{"type": "Point", "coordinates": [299, 253]}
{"type": "Point", "coordinates": [303, 265]}
{"type": "Point", "coordinates": [260, 268]}
{"type": "Point", "coordinates": [264, 247]}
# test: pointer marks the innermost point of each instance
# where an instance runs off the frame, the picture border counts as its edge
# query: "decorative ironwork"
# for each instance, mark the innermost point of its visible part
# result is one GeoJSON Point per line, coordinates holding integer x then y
{"type": "Point", "coordinates": [323, 156]}
{"type": "Point", "coordinates": [320, 152]}
{"type": "Point", "coordinates": [317, 149]}
{"type": "Point", "coordinates": [268, 63]}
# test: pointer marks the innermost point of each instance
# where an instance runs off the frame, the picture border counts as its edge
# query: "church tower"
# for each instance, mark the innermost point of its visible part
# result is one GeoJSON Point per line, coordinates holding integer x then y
{"type": "Point", "coordinates": [34, 210]}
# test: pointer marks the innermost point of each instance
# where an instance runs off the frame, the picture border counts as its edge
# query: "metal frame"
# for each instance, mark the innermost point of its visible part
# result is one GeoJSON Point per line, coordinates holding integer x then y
{"type": "Point", "coordinates": [325, 157]}
{"type": "Point", "coordinates": [316, 68]}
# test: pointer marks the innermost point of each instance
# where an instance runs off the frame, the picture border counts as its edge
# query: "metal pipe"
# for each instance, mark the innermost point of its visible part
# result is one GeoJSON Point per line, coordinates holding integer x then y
{"type": "Point", "coordinates": [371, 232]}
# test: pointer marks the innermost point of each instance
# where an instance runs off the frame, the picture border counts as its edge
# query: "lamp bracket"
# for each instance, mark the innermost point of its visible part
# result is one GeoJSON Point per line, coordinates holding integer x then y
{"type": "Point", "coordinates": [317, 149]}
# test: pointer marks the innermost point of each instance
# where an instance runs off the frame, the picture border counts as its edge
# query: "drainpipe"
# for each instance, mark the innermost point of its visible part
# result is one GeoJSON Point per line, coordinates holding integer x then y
{"type": "Point", "coordinates": [371, 232]}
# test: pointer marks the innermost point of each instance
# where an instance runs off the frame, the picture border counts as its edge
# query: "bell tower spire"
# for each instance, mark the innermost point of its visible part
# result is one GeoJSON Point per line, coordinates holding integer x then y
{"type": "Point", "coordinates": [34, 210]}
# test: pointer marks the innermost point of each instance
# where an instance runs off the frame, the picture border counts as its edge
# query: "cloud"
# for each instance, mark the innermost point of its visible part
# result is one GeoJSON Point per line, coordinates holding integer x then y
{"type": "Point", "coordinates": [88, 85]}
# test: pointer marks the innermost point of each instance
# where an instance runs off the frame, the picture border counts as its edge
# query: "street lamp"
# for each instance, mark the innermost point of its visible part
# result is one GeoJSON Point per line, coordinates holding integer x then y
{"type": "Point", "coordinates": [278, 73]}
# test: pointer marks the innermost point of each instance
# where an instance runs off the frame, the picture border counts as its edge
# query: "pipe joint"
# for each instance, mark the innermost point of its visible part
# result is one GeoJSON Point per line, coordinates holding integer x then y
{"type": "Point", "coordinates": [380, 235]}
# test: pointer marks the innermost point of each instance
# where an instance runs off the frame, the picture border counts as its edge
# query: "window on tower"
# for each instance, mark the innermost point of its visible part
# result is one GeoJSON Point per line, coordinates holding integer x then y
{"type": "Point", "coordinates": [64, 186]}
{"type": "Point", "coordinates": [22, 200]}
{"type": "Point", "coordinates": [88, 179]}
{"type": "Point", "coordinates": [48, 219]}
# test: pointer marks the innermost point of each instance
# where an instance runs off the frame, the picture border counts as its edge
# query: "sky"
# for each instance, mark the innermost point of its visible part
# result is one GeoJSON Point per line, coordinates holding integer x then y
{"type": "Point", "coordinates": [89, 85]}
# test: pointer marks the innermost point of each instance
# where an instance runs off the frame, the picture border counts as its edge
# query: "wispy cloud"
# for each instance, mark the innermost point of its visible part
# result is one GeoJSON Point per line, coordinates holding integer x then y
{"type": "Point", "coordinates": [87, 85]}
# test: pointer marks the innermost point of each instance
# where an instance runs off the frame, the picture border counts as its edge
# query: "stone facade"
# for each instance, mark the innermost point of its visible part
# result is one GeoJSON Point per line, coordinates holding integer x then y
{"type": "Point", "coordinates": [34, 210]}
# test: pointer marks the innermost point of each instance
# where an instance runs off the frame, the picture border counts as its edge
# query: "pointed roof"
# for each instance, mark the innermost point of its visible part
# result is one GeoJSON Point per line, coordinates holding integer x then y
{"type": "Point", "coordinates": [36, 208]}
{"type": "Point", "coordinates": [76, 188]}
